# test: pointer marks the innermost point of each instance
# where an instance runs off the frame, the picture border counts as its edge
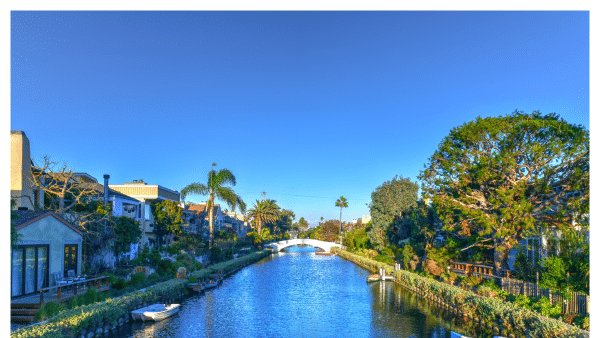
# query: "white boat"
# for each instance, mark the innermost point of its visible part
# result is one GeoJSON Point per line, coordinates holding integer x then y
{"type": "Point", "coordinates": [373, 278]}
{"type": "Point", "coordinates": [155, 312]}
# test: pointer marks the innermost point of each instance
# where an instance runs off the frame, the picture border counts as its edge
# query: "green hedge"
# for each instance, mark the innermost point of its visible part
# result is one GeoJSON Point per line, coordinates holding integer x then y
{"type": "Point", "coordinates": [73, 322]}
{"type": "Point", "coordinates": [487, 308]}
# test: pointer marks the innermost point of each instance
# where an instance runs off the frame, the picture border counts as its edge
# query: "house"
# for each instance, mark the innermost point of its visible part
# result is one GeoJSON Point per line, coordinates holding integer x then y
{"type": "Point", "coordinates": [146, 194]}
{"type": "Point", "coordinates": [190, 218]}
{"type": "Point", "coordinates": [237, 225]}
{"type": "Point", "coordinates": [203, 216]}
{"type": "Point", "coordinates": [39, 256]}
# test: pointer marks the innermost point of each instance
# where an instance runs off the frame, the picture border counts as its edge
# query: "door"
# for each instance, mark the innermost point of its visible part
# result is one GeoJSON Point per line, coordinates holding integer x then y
{"type": "Point", "coordinates": [70, 258]}
{"type": "Point", "coordinates": [29, 269]}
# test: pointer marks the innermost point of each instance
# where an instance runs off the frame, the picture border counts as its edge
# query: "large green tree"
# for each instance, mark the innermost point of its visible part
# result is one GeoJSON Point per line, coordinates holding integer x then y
{"type": "Point", "coordinates": [389, 202]}
{"type": "Point", "coordinates": [284, 222]}
{"type": "Point", "coordinates": [216, 187]}
{"type": "Point", "coordinates": [168, 218]}
{"type": "Point", "coordinates": [342, 202]}
{"type": "Point", "coordinates": [302, 224]}
{"type": "Point", "coordinates": [264, 212]}
{"type": "Point", "coordinates": [127, 232]}
{"type": "Point", "coordinates": [500, 177]}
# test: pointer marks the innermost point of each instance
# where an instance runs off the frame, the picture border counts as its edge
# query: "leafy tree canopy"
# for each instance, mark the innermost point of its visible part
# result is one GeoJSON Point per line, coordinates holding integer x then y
{"type": "Point", "coordinates": [388, 203]}
{"type": "Point", "coordinates": [302, 224]}
{"type": "Point", "coordinates": [167, 219]}
{"type": "Point", "coordinates": [127, 232]}
{"type": "Point", "coordinates": [499, 177]}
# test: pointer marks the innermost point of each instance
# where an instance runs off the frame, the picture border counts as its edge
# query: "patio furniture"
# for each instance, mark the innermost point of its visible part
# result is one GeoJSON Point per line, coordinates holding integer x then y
{"type": "Point", "coordinates": [60, 281]}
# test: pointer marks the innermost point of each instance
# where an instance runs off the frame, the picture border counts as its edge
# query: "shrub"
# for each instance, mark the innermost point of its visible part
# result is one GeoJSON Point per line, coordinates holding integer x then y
{"type": "Point", "coordinates": [407, 255]}
{"type": "Point", "coordinates": [121, 272]}
{"type": "Point", "coordinates": [384, 259]}
{"type": "Point", "coordinates": [119, 284]}
{"type": "Point", "coordinates": [48, 310]}
{"type": "Point", "coordinates": [544, 307]}
{"type": "Point", "coordinates": [173, 250]}
{"type": "Point", "coordinates": [138, 278]}
{"type": "Point", "coordinates": [154, 278]}
{"type": "Point", "coordinates": [215, 254]}
{"type": "Point", "coordinates": [165, 267]}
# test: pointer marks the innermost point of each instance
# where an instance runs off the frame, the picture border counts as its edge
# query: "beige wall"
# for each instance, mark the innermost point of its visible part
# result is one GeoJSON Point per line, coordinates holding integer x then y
{"type": "Point", "coordinates": [21, 181]}
{"type": "Point", "coordinates": [20, 170]}
{"type": "Point", "coordinates": [38, 233]}
{"type": "Point", "coordinates": [143, 191]}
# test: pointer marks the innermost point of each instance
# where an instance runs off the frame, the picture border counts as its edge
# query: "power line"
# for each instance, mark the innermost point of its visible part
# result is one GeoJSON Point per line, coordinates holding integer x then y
{"type": "Point", "coordinates": [278, 193]}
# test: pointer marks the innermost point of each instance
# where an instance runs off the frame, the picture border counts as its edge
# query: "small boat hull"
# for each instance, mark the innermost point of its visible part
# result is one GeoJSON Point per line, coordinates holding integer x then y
{"type": "Point", "coordinates": [156, 312]}
{"type": "Point", "coordinates": [373, 278]}
{"type": "Point", "coordinates": [323, 253]}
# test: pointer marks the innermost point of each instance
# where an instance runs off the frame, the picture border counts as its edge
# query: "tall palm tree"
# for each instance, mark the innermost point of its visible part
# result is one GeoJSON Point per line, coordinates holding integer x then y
{"type": "Point", "coordinates": [264, 212]}
{"type": "Point", "coordinates": [216, 187]}
{"type": "Point", "coordinates": [342, 203]}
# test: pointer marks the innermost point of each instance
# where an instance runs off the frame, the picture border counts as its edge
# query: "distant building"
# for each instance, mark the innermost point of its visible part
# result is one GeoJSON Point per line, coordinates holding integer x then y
{"type": "Point", "coordinates": [146, 194]}
{"type": "Point", "coordinates": [236, 224]}
{"type": "Point", "coordinates": [202, 216]}
{"type": "Point", "coordinates": [364, 219]}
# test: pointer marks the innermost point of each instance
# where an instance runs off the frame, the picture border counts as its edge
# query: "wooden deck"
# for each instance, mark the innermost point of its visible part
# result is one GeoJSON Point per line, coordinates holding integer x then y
{"type": "Point", "coordinates": [24, 308]}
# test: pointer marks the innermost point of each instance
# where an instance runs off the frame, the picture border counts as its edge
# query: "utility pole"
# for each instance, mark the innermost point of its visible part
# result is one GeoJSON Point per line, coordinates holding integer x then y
{"type": "Point", "coordinates": [264, 193]}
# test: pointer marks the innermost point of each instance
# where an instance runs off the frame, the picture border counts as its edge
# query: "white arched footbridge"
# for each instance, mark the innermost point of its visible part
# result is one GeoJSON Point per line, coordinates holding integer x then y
{"type": "Point", "coordinates": [278, 246]}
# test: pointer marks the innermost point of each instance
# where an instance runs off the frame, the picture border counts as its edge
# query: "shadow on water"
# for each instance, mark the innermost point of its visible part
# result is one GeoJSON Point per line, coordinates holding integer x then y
{"type": "Point", "coordinates": [299, 294]}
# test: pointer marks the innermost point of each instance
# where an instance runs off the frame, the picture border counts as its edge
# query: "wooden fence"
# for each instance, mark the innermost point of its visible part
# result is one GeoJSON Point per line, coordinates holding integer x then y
{"type": "Point", "coordinates": [579, 303]}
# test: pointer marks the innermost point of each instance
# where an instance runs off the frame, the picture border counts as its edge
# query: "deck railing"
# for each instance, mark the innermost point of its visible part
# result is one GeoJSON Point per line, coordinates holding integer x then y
{"type": "Point", "coordinates": [101, 283]}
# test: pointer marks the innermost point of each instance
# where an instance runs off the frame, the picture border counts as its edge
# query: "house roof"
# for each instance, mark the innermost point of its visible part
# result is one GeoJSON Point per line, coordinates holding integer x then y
{"type": "Point", "coordinates": [200, 209]}
{"type": "Point", "coordinates": [99, 188]}
{"type": "Point", "coordinates": [28, 217]}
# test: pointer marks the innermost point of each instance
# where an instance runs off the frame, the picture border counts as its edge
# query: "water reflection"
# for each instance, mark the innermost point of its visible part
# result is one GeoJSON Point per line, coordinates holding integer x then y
{"type": "Point", "coordinates": [299, 294]}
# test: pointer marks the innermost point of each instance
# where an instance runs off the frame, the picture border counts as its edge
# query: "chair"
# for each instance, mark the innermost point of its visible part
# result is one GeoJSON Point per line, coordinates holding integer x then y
{"type": "Point", "coordinates": [60, 281]}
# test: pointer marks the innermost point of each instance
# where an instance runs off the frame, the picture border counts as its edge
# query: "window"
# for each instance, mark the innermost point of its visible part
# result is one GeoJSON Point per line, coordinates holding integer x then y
{"type": "Point", "coordinates": [70, 258]}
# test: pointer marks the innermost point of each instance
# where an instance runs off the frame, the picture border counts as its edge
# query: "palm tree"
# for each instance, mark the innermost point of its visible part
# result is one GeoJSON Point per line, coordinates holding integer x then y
{"type": "Point", "coordinates": [264, 212]}
{"type": "Point", "coordinates": [342, 203]}
{"type": "Point", "coordinates": [216, 188]}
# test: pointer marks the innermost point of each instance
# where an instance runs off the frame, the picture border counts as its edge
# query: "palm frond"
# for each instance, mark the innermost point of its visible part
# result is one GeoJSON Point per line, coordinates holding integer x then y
{"type": "Point", "coordinates": [222, 177]}
{"type": "Point", "coordinates": [227, 195]}
{"type": "Point", "coordinates": [194, 188]}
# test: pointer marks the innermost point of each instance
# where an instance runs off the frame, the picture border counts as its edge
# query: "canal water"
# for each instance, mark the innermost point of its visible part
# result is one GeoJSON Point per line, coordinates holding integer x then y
{"type": "Point", "coordinates": [300, 294]}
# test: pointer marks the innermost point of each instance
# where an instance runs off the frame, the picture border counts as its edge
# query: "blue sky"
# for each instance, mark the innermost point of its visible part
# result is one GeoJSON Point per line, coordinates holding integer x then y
{"type": "Point", "coordinates": [306, 106]}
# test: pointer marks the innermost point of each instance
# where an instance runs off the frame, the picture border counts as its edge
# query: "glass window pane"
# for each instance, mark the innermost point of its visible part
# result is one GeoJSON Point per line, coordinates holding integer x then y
{"type": "Point", "coordinates": [42, 267]}
{"type": "Point", "coordinates": [17, 272]}
{"type": "Point", "coordinates": [29, 270]}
